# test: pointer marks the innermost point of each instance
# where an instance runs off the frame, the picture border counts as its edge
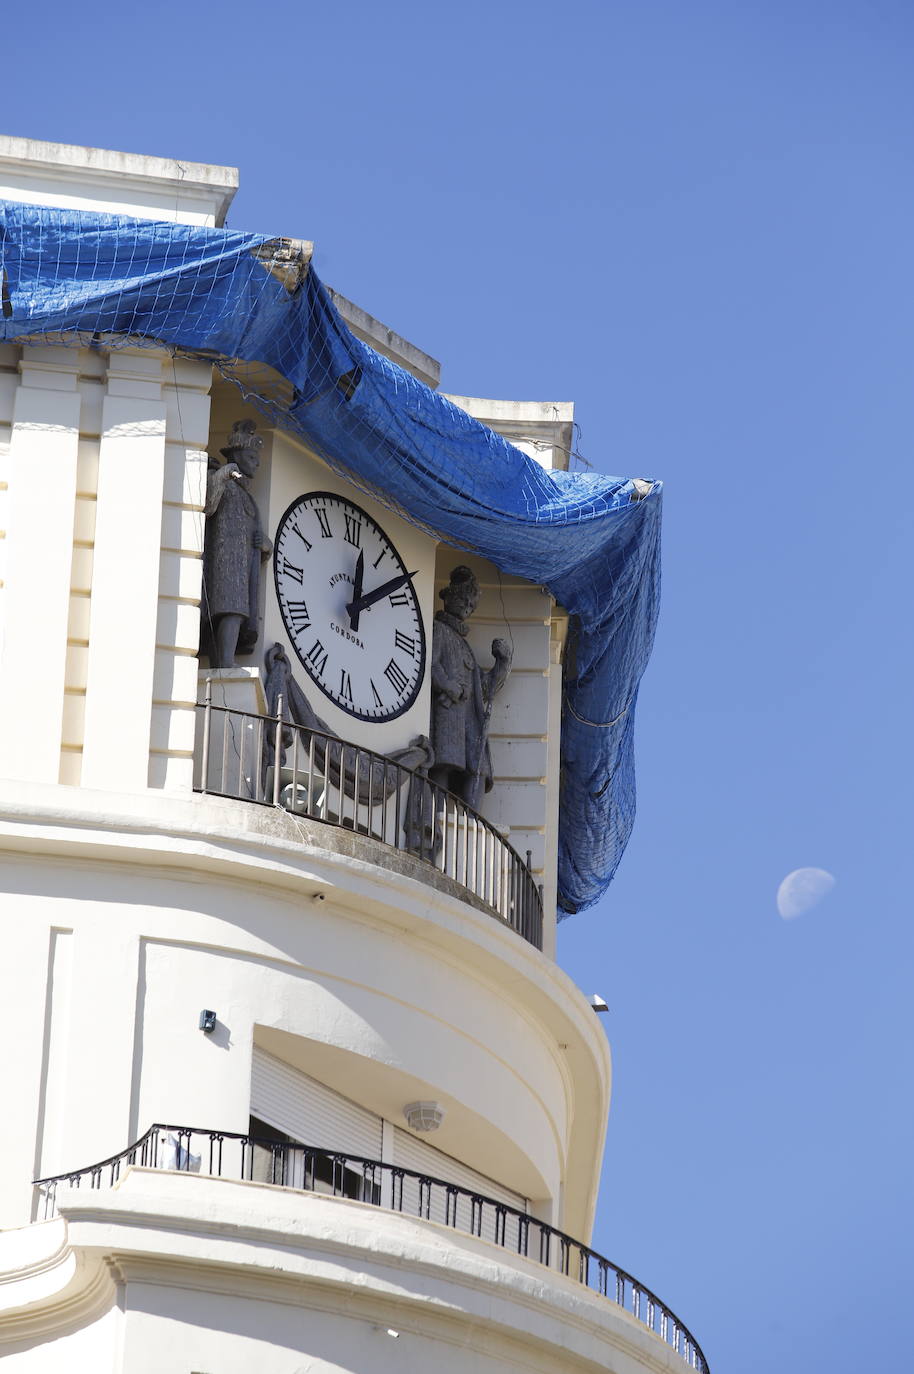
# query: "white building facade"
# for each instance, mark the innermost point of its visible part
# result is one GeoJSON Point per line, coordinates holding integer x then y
{"type": "Point", "coordinates": [349, 1111]}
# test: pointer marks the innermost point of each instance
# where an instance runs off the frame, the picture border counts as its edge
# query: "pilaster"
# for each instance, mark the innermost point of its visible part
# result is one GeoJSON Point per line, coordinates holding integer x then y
{"type": "Point", "coordinates": [187, 397]}
{"type": "Point", "coordinates": [125, 577]}
{"type": "Point", "coordinates": [39, 546]}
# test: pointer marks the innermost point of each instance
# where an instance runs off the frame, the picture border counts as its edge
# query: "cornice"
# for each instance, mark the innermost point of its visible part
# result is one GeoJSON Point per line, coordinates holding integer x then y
{"type": "Point", "coordinates": [254, 1242]}
{"type": "Point", "coordinates": [84, 1290]}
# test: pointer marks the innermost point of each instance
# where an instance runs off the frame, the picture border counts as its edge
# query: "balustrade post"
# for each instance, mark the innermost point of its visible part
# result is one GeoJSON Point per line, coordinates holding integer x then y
{"type": "Point", "coordinates": [226, 732]}
{"type": "Point", "coordinates": [311, 775]}
{"type": "Point", "coordinates": [295, 747]}
{"type": "Point", "coordinates": [207, 720]}
{"type": "Point", "coordinates": [277, 751]}
{"type": "Point", "coordinates": [258, 774]}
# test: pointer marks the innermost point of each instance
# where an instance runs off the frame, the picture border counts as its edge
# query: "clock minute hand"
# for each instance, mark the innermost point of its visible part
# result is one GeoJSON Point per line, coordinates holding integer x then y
{"type": "Point", "coordinates": [361, 603]}
{"type": "Point", "coordinates": [356, 592]}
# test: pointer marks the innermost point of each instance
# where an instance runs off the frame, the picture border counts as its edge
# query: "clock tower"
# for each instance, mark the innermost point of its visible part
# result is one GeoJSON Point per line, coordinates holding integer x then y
{"type": "Point", "coordinates": [297, 1082]}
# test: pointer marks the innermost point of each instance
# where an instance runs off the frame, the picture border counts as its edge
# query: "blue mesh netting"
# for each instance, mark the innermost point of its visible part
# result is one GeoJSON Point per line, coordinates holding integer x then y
{"type": "Point", "coordinates": [248, 303]}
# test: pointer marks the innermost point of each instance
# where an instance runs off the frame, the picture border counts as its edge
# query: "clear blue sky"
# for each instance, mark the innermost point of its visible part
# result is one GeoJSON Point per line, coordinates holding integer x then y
{"type": "Point", "coordinates": [696, 220]}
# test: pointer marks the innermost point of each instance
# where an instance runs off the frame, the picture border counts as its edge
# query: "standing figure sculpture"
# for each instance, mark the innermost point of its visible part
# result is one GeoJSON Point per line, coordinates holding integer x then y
{"type": "Point", "coordinates": [234, 548]}
{"type": "Point", "coordinates": [462, 694]}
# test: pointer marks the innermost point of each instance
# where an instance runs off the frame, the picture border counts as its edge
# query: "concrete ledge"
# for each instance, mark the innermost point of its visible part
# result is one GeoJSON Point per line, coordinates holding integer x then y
{"type": "Point", "coordinates": [544, 430]}
{"type": "Point", "coordinates": [386, 342]}
{"type": "Point", "coordinates": [182, 1245]}
{"type": "Point", "coordinates": [148, 187]}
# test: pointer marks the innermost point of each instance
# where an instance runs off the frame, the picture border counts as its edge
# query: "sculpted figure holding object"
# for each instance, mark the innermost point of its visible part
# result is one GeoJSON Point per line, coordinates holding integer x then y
{"type": "Point", "coordinates": [234, 548]}
{"type": "Point", "coordinates": [462, 694]}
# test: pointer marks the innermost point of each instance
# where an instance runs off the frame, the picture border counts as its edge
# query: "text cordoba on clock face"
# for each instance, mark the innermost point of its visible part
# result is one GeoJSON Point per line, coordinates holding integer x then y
{"type": "Point", "coordinates": [349, 606]}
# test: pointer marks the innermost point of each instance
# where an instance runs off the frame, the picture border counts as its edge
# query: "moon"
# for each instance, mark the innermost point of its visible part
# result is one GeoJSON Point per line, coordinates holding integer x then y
{"type": "Point", "coordinates": [803, 889]}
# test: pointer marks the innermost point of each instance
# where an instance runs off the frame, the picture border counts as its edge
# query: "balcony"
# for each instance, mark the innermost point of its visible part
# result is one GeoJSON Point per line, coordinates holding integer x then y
{"type": "Point", "coordinates": [319, 777]}
{"type": "Point", "coordinates": [246, 1158]}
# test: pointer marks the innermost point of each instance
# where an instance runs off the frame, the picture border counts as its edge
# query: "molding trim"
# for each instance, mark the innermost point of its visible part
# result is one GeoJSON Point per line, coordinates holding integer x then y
{"type": "Point", "coordinates": [257, 1242]}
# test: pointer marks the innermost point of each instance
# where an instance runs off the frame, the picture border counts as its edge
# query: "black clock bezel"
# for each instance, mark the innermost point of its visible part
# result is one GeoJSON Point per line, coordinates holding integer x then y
{"type": "Point", "coordinates": [352, 505]}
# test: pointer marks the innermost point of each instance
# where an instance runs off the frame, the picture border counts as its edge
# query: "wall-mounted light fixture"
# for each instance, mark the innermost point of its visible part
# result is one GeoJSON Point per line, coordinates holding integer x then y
{"type": "Point", "coordinates": [423, 1116]}
{"type": "Point", "coordinates": [207, 1022]}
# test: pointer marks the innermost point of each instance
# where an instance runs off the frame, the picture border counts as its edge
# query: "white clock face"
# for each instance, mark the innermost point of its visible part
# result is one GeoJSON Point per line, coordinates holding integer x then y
{"type": "Point", "coordinates": [349, 606]}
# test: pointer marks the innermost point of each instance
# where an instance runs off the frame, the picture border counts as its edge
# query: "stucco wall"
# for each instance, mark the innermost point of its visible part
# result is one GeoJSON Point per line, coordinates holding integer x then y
{"type": "Point", "coordinates": [122, 925]}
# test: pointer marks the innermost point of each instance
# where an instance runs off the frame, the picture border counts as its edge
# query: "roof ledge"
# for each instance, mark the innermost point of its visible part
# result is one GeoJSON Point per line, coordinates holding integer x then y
{"type": "Point", "coordinates": [72, 177]}
{"type": "Point", "coordinates": [384, 341]}
{"type": "Point", "coordinates": [544, 430]}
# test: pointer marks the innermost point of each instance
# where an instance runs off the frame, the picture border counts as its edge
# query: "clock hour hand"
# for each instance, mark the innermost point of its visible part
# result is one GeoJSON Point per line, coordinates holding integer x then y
{"type": "Point", "coordinates": [354, 608]}
{"type": "Point", "coordinates": [361, 603]}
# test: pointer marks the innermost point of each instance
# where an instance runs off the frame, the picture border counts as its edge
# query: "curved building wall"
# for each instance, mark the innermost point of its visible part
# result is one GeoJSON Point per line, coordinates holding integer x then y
{"type": "Point", "coordinates": [124, 923]}
{"type": "Point", "coordinates": [178, 1271]}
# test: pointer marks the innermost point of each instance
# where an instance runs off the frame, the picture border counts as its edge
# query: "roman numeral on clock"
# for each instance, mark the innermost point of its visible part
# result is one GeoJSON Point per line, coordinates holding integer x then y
{"type": "Point", "coordinates": [306, 542]}
{"type": "Point", "coordinates": [345, 685]}
{"type": "Point", "coordinates": [298, 614]}
{"type": "Point", "coordinates": [400, 598]}
{"type": "Point", "coordinates": [404, 642]}
{"type": "Point", "coordinates": [290, 570]}
{"type": "Point", "coordinates": [374, 693]}
{"type": "Point", "coordinates": [317, 656]}
{"type": "Point", "coordinates": [382, 554]}
{"type": "Point", "coordinates": [323, 519]}
{"type": "Point", "coordinates": [353, 531]}
{"type": "Point", "coordinates": [396, 677]}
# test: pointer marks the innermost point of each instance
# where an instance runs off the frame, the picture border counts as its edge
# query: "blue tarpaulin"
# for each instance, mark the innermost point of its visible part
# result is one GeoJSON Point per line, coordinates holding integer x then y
{"type": "Point", "coordinates": [591, 540]}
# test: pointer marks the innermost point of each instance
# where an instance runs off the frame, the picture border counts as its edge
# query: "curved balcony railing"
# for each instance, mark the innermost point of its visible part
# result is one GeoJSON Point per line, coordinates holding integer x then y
{"type": "Point", "coordinates": [229, 1154]}
{"type": "Point", "coordinates": [323, 778]}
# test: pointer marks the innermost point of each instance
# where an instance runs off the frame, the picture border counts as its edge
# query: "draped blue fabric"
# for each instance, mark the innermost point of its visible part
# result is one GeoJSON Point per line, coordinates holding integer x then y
{"type": "Point", "coordinates": [108, 279]}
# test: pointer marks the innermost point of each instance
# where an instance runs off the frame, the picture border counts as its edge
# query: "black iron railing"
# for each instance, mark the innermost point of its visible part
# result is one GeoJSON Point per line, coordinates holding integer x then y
{"type": "Point", "coordinates": [229, 1154]}
{"type": "Point", "coordinates": [326, 779]}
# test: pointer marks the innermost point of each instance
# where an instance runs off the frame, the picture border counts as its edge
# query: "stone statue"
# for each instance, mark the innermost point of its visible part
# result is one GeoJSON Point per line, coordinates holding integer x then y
{"type": "Point", "coordinates": [462, 694]}
{"type": "Point", "coordinates": [234, 548]}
